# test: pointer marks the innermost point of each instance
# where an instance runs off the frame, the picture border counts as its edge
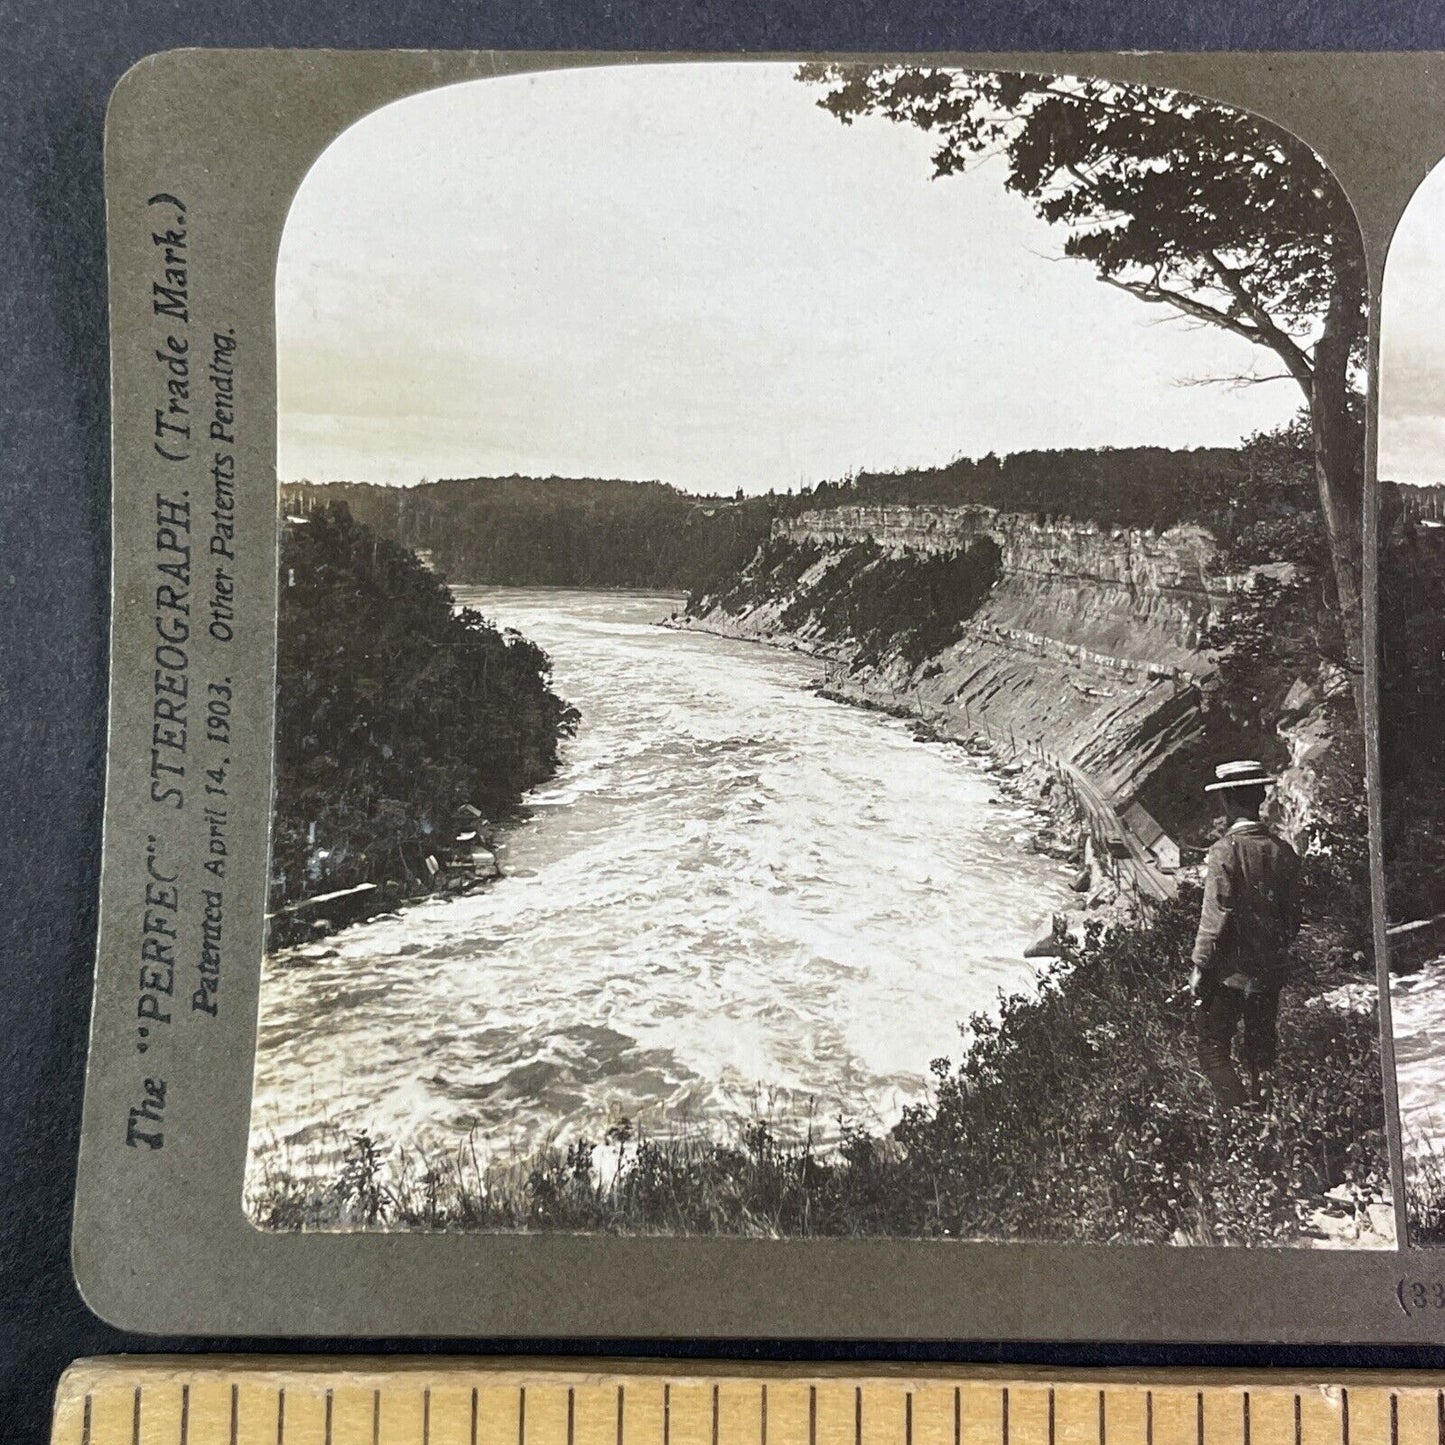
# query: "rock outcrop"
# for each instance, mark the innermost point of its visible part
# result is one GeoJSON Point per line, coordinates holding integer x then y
{"type": "Point", "coordinates": [1090, 649]}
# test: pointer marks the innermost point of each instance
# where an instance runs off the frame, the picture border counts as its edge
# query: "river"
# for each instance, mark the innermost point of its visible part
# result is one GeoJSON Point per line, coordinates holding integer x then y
{"type": "Point", "coordinates": [736, 898]}
{"type": "Point", "coordinates": [1417, 1005]}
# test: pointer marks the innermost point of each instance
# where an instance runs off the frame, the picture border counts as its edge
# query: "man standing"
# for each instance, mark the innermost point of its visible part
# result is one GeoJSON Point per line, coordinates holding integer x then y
{"type": "Point", "coordinates": [1250, 916]}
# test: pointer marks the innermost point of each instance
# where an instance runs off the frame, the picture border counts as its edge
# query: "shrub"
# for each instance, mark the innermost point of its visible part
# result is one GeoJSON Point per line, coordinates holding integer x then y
{"type": "Point", "coordinates": [1425, 1197]}
{"type": "Point", "coordinates": [1078, 1114]}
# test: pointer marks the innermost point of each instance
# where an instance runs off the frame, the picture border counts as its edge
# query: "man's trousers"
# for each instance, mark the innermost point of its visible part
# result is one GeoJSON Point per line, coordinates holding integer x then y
{"type": "Point", "coordinates": [1217, 1019]}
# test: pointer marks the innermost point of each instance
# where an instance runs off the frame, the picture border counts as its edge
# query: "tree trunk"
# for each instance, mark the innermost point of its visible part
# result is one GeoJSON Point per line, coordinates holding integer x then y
{"type": "Point", "coordinates": [1338, 468]}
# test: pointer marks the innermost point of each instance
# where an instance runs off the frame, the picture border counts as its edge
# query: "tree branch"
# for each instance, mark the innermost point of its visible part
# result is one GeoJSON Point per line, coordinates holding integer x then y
{"type": "Point", "coordinates": [1237, 381]}
{"type": "Point", "coordinates": [1154, 293]}
{"type": "Point", "coordinates": [1264, 332]}
{"type": "Point", "coordinates": [1145, 106]}
{"type": "Point", "coordinates": [1091, 187]}
{"type": "Point", "coordinates": [1282, 344]}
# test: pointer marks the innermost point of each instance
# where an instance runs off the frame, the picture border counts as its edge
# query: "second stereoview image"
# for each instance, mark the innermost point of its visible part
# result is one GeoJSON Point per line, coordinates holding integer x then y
{"type": "Point", "coordinates": [1412, 687]}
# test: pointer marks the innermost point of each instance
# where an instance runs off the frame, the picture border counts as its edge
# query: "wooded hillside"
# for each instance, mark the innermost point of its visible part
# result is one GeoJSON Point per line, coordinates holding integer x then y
{"type": "Point", "coordinates": [588, 532]}
{"type": "Point", "coordinates": [393, 710]}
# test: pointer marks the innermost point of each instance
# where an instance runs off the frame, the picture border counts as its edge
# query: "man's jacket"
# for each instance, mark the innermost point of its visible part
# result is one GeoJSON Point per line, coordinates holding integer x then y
{"type": "Point", "coordinates": [1251, 909]}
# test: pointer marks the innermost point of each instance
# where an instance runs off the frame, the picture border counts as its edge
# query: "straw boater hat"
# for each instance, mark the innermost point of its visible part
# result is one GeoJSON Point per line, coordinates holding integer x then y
{"type": "Point", "coordinates": [1246, 774]}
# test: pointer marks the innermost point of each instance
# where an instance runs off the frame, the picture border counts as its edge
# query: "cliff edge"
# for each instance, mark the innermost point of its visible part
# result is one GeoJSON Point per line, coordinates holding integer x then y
{"type": "Point", "coordinates": [1088, 645]}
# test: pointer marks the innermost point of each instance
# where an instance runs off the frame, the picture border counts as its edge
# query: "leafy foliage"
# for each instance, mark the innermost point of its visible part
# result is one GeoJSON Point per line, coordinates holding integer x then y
{"type": "Point", "coordinates": [775, 571]}
{"type": "Point", "coordinates": [1425, 1186]}
{"type": "Point", "coordinates": [1105, 1046]}
{"type": "Point", "coordinates": [393, 710]}
{"type": "Point", "coordinates": [1174, 198]}
{"type": "Point", "coordinates": [1271, 514]}
{"type": "Point", "coordinates": [1280, 652]}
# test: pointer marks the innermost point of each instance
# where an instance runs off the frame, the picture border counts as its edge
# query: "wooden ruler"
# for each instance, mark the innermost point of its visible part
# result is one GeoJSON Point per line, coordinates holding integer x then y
{"type": "Point", "coordinates": [298, 1401]}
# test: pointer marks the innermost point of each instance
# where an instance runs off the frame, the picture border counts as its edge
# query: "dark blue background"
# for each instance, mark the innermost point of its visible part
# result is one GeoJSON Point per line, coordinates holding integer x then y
{"type": "Point", "coordinates": [58, 68]}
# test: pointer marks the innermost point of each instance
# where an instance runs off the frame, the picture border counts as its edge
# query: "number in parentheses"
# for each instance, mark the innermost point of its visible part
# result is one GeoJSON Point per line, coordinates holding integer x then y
{"type": "Point", "coordinates": [1417, 1295]}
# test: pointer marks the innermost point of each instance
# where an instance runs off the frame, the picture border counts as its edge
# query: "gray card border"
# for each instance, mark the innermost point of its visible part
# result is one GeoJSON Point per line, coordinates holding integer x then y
{"type": "Point", "coordinates": [160, 1242]}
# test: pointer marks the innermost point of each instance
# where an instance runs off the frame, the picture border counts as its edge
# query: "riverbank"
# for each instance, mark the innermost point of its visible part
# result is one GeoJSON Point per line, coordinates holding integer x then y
{"type": "Point", "coordinates": [1075, 1115]}
{"type": "Point", "coordinates": [1023, 774]}
{"type": "Point", "coordinates": [403, 721]}
{"type": "Point", "coordinates": [688, 916]}
{"type": "Point", "coordinates": [296, 931]}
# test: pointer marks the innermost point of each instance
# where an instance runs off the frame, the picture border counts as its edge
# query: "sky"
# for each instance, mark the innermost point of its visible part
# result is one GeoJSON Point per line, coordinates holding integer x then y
{"type": "Point", "coordinates": [1412, 341]}
{"type": "Point", "coordinates": [692, 273]}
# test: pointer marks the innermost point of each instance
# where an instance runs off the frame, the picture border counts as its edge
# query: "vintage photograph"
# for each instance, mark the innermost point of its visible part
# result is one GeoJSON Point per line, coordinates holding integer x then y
{"type": "Point", "coordinates": [1412, 686]}
{"type": "Point", "coordinates": [820, 669]}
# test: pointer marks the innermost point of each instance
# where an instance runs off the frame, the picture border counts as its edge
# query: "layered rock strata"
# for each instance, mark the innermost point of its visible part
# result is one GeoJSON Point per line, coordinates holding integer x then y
{"type": "Point", "coordinates": [1090, 650]}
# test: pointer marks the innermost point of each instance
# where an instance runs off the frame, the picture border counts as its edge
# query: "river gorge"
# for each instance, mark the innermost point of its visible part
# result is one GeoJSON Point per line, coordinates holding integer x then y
{"type": "Point", "coordinates": [736, 898]}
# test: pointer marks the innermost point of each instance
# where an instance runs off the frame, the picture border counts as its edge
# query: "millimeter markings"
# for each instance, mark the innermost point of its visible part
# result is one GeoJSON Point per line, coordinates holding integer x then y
{"type": "Point", "coordinates": [208, 1401]}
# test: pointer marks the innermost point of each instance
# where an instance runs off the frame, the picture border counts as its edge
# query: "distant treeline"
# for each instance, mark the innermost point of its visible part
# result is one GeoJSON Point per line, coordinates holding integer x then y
{"type": "Point", "coordinates": [564, 531]}
{"type": "Point", "coordinates": [393, 711]}
{"type": "Point", "coordinates": [1123, 486]}
{"type": "Point", "coordinates": [559, 531]}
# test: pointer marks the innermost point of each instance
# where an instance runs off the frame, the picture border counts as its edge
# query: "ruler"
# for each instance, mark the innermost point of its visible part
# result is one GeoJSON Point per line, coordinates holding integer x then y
{"type": "Point", "coordinates": [300, 1401]}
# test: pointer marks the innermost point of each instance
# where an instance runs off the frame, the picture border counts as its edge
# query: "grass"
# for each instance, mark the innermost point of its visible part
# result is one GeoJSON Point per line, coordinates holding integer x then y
{"type": "Point", "coordinates": [1075, 1115]}
{"type": "Point", "coordinates": [1425, 1196]}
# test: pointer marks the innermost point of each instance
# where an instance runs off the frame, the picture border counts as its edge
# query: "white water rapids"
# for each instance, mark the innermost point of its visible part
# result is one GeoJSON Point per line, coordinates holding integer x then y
{"type": "Point", "coordinates": [1418, 1007]}
{"type": "Point", "coordinates": [735, 896]}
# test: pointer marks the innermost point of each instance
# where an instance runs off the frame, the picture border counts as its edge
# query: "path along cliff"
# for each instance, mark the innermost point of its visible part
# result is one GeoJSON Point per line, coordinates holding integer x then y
{"type": "Point", "coordinates": [1081, 645]}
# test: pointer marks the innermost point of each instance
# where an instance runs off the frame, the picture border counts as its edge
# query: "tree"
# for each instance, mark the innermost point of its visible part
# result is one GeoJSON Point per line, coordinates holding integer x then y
{"type": "Point", "coordinates": [393, 708]}
{"type": "Point", "coordinates": [1180, 202]}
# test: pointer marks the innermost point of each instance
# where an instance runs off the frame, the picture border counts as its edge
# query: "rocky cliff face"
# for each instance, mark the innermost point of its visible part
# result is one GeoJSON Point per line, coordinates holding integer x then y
{"type": "Point", "coordinates": [1177, 558]}
{"type": "Point", "coordinates": [1124, 598]}
{"type": "Point", "coordinates": [1090, 647]}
